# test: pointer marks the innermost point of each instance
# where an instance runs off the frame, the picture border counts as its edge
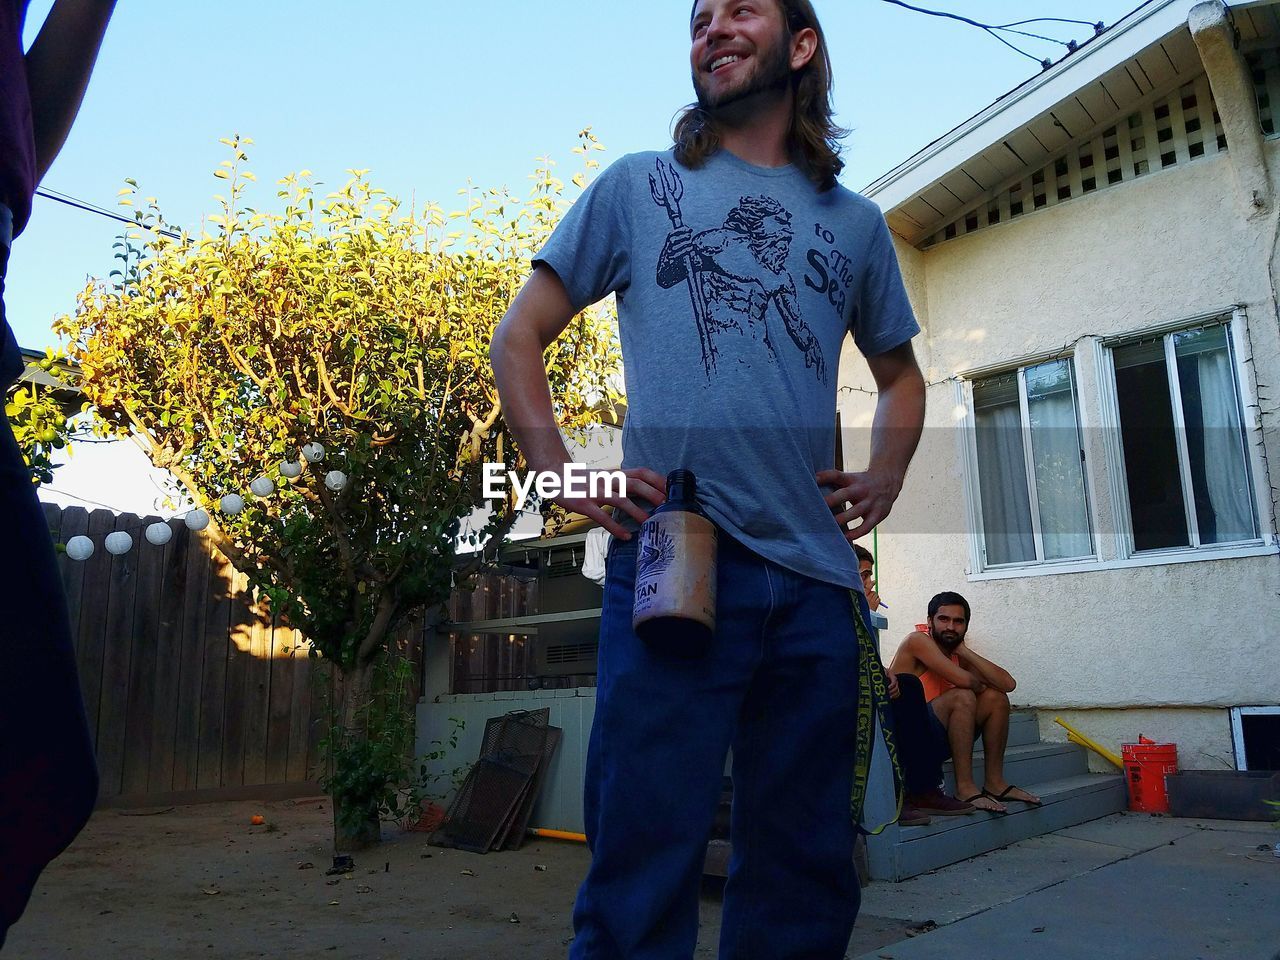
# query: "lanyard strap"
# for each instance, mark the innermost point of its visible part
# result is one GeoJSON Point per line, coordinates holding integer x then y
{"type": "Point", "coordinates": [873, 705]}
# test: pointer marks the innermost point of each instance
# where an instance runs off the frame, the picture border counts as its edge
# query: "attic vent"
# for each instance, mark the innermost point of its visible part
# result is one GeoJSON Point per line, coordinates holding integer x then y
{"type": "Point", "coordinates": [1177, 129]}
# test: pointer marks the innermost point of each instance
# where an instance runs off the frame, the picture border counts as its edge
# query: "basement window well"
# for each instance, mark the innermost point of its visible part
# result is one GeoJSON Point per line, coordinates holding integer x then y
{"type": "Point", "coordinates": [1255, 732]}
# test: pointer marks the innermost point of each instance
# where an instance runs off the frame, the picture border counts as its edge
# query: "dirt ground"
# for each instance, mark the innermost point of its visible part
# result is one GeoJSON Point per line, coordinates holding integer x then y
{"type": "Point", "coordinates": [200, 881]}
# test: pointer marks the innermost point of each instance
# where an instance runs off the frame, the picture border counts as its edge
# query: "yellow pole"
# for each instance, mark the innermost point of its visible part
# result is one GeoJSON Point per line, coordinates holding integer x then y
{"type": "Point", "coordinates": [1075, 736]}
{"type": "Point", "coordinates": [557, 834]}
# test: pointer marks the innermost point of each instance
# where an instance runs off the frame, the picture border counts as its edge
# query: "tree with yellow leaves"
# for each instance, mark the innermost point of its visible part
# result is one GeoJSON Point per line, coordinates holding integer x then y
{"type": "Point", "coordinates": [349, 323]}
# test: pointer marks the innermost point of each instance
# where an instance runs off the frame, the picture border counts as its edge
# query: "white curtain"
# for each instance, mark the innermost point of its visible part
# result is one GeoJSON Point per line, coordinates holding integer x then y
{"type": "Point", "coordinates": [1055, 456]}
{"type": "Point", "coordinates": [1002, 481]}
{"type": "Point", "coordinates": [1225, 471]}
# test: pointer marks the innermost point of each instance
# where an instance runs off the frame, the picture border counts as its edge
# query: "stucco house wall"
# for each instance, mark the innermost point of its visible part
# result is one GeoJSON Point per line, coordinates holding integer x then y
{"type": "Point", "coordinates": [1182, 640]}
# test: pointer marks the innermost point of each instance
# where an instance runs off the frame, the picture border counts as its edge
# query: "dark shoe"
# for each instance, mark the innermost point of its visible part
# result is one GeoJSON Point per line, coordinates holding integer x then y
{"type": "Point", "coordinates": [911, 817]}
{"type": "Point", "coordinates": [938, 804]}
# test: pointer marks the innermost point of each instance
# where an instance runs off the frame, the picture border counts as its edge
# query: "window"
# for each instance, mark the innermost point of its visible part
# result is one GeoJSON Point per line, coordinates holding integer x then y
{"type": "Point", "coordinates": [1185, 463]}
{"type": "Point", "coordinates": [1030, 467]}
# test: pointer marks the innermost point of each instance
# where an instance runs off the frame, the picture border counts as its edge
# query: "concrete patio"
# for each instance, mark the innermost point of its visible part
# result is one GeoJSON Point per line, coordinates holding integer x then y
{"type": "Point", "coordinates": [200, 881]}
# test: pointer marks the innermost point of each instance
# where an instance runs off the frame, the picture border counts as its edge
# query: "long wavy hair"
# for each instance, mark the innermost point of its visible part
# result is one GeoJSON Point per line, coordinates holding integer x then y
{"type": "Point", "coordinates": [814, 137]}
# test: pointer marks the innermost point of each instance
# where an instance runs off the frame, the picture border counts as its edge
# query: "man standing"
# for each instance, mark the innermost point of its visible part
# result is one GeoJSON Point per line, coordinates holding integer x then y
{"type": "Point", "coordinates": [739, 265]}
{"type": "Point", "coordinates": [968, 697]}
{"type": "Point", "coordinates": [48, 779]}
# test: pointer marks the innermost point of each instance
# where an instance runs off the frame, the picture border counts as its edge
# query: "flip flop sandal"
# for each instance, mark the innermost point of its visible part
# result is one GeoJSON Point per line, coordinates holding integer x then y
{"type": "Point", "coordinates": [1003, 797]}
{"type": "Point", "coordinates": [979, 795]}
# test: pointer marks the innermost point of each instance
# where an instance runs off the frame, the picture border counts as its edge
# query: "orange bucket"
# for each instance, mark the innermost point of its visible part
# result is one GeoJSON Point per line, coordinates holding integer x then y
{"type": "Point", "coordinates": [1145, 765]}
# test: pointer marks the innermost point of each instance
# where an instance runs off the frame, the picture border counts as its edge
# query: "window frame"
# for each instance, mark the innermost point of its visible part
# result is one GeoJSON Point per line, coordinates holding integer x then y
{"type": "Point", "coordinates": [1237, 730]}
{"type": "Point", "coordinates": [1234, 322]}
{"type": "Point", "coordinates": [967, 412]}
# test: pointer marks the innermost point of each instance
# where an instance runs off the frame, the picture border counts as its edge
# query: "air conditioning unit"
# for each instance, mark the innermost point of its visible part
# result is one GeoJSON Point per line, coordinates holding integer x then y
{"type": "Point", "coordinates": [566, 646]}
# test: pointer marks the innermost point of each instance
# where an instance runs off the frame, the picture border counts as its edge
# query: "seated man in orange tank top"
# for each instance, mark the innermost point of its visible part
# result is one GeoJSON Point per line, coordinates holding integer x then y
{"type": "Point", "coordinates": [968, 696]}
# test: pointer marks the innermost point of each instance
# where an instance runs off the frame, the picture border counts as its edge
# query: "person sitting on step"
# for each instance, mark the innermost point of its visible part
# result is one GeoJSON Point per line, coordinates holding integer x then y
{"type": "Point", "coordinates": [967, 696]}
{"type": "Point", "coordinates": [913, 726]}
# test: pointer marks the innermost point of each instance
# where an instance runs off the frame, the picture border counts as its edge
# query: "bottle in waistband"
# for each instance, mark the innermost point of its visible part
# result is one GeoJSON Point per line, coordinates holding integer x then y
{"type": "Point", "coordinates": [675, 598]}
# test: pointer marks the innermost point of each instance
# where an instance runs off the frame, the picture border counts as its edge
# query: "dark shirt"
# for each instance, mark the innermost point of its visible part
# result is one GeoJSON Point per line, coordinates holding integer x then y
{"type": "Point", "coordinates": [17, 140]}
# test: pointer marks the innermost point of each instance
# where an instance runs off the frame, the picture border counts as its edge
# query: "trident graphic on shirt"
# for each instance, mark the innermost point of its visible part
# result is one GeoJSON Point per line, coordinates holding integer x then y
{"type": "Point", "coordinates": [667, 191]}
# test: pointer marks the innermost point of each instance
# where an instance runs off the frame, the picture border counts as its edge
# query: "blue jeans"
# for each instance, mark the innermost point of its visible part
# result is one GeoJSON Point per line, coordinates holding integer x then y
{"type": "Point", "coordinates": [780, 687]}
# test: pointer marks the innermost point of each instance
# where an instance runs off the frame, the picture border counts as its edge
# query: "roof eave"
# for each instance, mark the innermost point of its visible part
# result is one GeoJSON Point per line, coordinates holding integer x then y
{"type": "Point", "coordinates": [1147, 25]}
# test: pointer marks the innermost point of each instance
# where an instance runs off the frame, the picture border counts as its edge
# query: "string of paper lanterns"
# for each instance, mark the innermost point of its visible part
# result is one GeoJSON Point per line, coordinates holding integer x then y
{"type": "Point", "coordinates": [159, 532]}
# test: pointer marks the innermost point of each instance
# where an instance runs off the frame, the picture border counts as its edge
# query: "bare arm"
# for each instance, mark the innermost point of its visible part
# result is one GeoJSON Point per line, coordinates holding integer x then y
{"type": "Point", "coordinates": [58, 67]}
{"type": "Point", "coordinates": [903, 661]}
{"type": "Point", "coordinates": [535, 318]}
{"type": "Point", "coordinates": [994, 674]}
{"type": "Point", "coordinates": [925, 651]}
{"type": "Point", "coordinates": [894, 435]}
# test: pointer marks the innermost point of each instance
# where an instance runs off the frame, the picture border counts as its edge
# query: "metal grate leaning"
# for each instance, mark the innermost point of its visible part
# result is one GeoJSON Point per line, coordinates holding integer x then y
{"type": "Point", "coordinates": [486, 806]}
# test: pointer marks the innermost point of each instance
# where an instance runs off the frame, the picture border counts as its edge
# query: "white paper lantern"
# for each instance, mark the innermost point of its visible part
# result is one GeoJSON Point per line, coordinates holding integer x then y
{"type": "Point", "coordinates": [79, 548]}
{"type": "Point", "coordinates": [158, 533]}
{"type": "Point", "coordinates": [196, 520]}
{"type": "Point", "coordinates": [262, 487]}
{"type": "Point", "coordinates": [232, 503]}
{"type": "Point", "coordinates": [335, 480]}
{"type": "Point", "coordinates": [118, 543]}
{"type": "Point", "coordinates": [290, 469]}
{"type": "Point", "coordinates": [314, 452]}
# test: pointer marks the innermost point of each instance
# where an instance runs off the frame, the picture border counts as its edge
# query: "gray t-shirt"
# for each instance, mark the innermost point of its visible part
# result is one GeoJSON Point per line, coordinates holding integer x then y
{"type": "Point", "coordinates": [731, 350]}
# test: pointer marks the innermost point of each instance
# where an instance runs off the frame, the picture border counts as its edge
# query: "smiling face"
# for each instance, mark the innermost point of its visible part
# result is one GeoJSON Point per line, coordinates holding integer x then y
{"type": "Point", "coordinates": [741, 48]}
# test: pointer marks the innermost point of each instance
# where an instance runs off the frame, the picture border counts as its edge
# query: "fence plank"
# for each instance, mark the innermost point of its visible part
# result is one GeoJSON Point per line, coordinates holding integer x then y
{"type": "Point", "coordinates": [283, 673]}
{"type": "Point", "coordinates": [257, 692]}
{"type": "Point", "coordinates": [72, 522]}
{"type": "Point", "coordinates": [168, 657]}
{"type": "Point", "coordinates": [300, 707]}
{"type": "Point", "coordinates": [195, 594]}
{"type": "Point", "coordinates": [140, 710]}
{"type": "Point", "coordinates": [91, 642]}
{"type": "Point", "coordinates": [117, 650]}
{"type": "Point", "coordinates": [239, 651]}
{"type": "Point", "coordinates": [213, 693]}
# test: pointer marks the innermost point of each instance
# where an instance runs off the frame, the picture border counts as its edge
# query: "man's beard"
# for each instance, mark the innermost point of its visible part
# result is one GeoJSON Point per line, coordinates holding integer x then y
{"type": "Point", "coordinates": [948, 640]}
{"type": "Point", "coordinates": [772, 73]}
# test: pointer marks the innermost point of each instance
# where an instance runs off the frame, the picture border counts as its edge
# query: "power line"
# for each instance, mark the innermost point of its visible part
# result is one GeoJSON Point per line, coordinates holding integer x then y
{"type": "Point", "coordinates": [84, 205]}
{"type": "Point", "coordinates": [995, 30]}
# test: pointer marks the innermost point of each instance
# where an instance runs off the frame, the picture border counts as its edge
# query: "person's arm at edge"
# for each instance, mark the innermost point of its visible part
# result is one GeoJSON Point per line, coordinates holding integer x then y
{"type": "Point", "coordinates": [895, 433]}
{"type": "Point", "coordinates": [992, 673]}
{"type": "Point", "coordinates": [923, 648]}
{"type": "Point", "coordinates": [539, 314]}
{"type": "Point", "coordinates": [59, 64]}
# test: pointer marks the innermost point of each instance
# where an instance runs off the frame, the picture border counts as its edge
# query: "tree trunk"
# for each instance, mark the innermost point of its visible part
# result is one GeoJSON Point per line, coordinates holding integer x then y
{"type": "Point", "coordinates": [352, 689]}
{"type": "Point", "coordinates": [347, 840]}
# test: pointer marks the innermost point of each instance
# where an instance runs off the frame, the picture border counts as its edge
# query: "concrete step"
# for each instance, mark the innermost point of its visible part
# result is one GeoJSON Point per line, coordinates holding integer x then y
{"type": "Point", "coordinates": [1029, 763]}
{"type": "Point", "coordinates": [901, 852]}
{"type": "Point", "coordinates": [1024, 728]}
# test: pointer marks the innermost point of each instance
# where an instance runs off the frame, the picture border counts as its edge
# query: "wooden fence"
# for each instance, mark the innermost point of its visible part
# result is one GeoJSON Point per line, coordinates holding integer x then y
{"type": "Point", "coordinates": [191, 688]}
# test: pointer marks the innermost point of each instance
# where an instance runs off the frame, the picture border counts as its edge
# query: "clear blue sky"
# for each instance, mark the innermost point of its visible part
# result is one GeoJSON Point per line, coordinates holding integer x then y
{"type": "Point", "coordinates": [431, 93]}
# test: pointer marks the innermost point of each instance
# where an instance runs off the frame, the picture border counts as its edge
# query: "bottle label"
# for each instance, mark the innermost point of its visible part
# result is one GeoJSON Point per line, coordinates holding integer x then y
{"type": "Point", "coordinates": [676, 568]}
